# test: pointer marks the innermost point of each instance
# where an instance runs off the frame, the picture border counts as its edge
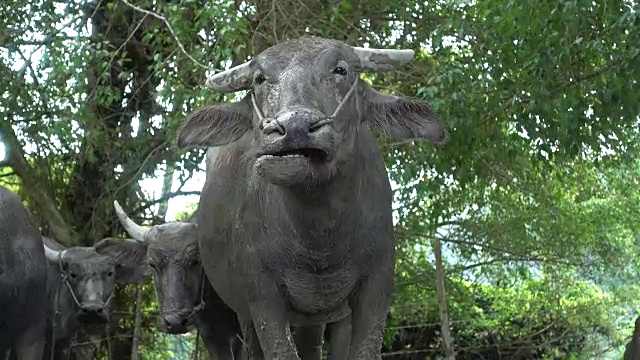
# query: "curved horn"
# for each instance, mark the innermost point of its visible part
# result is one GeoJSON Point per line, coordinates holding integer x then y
{"type": "Point", "coordinates": [50, 254]}
{"type": "Point", "coordinates": [235, 79]}
{"type": "Point", "coordinates": [135, 231]}
{"type": "Point", "coordinates": [382, 60]}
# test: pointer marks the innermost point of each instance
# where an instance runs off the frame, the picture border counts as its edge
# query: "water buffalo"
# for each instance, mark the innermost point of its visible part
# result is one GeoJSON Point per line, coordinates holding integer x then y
{"type": "Point", "coordinates": [172, 251]}
{"type": "Point", "coordinates": [295, 218]}
{"type": "Point", "coordinates": [184, 294]}
{"type": "Point", "coordinates": [23, 280]}
{"type": "Point", "coordinates": [632, 350]}
{"type": "Point", "coordinates": [80, 289]}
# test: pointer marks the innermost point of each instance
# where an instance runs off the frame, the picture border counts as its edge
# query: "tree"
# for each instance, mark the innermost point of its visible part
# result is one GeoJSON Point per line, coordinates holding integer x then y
{"type": "Point", "coordinates": [532, 198]}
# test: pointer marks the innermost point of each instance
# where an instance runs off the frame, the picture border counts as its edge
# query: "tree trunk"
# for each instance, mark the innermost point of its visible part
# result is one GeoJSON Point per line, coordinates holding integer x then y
{"type": "Point", "coordinates": [442, 302]}
{"type": "Point", "coordinates": [167, 184]}
{"type": "Point", "coordinates": [136, 324]}
{"type": "Point", "coordinates": [44, 204]}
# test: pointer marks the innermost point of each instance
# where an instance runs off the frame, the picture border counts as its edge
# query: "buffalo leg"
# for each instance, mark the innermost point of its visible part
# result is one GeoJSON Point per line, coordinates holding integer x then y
{"type": "Point", "coordinates": [251, 349]}
{"type": "Point", "coordinates": [237, 348]}
{"type": "Point", "coordinates": [272, 330]}
{"type": "Point", "coordinates": [369, 312]}
{"type": "Point", "coordinates": [30, 345]}
{"type": "Point", "coordinates": [309, 341]}
{"type": "Point", "coordinates": [339, 339]}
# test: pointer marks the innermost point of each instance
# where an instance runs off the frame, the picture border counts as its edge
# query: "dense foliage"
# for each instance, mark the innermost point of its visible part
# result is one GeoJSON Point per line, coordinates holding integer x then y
{"type": "Point", "coordinates": [535, 197]}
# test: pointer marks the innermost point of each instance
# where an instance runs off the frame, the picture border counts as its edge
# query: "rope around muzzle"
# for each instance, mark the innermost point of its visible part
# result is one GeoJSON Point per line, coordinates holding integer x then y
{"type": "Point", "coordinates": [264, 121]}
{"type": "Point", "coordinates": [64, 277]}
{"type": "Point", "coordinates": [196, 309]}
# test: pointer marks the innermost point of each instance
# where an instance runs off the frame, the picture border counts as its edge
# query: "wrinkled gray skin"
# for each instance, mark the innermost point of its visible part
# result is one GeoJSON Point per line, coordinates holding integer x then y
{"type": "Point", "coordinates": [92, 277]}
{"type": "Point", "coordinates": [295, 219]}
{"type": "Point", "coordinates": [171, 251]}
{"type": "Point", "coordinates": [632, 350]}
{"type": "Point", "coordinates": [22, 281]}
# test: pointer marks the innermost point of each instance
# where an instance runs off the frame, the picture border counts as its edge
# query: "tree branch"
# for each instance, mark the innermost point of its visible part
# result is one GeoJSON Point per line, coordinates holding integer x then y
{"type": "Point", "coordinates": [502, 260]}
{"type": "Point", "coordinates": [488, 248]}
{"type": "Point", "coordinates": [60, 229]}
{"type": "Point", "coordinates": [165, 197]}
{"type": "Point", "coordinates": [175, 37]}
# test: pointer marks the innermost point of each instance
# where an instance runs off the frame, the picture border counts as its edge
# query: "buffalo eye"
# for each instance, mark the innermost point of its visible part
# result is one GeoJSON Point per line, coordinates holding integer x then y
{"type": "Point", "coordinates": [340, 70]}
{"type": "Point", "coordinates": [153, 266]}
{"type": "Point", "coordinates": [73, 275]}
{"type": "Point", "coordinates": [259, 79]}
{"type": "Point", "coordinates": [110, 274]}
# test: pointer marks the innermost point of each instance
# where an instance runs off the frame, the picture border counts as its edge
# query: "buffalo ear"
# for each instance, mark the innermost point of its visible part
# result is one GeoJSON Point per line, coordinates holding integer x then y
{"type": "Point", "coordinates": [130, 258]}
{"type": "Point", "coordinates": [216, 125]}
{"type": "Point", "coordinates": [403, 118]}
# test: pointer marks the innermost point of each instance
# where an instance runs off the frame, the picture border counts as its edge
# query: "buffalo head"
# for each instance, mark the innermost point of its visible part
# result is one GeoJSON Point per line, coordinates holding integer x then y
{"type": "Point", "coordinates": [305, 107]}
{"type": "Point", "coordinates": [171, 251]}
{"type": "Point", "coordinates": [88, 279]}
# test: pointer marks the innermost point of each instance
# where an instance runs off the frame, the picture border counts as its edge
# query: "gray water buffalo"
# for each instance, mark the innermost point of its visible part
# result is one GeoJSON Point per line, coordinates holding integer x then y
{"type": "Point", "coordinates": [172, 252]}
{"type": "Point", "coordinates": [80, 290]}
{"type": "Point", "coordinates": [295, 218]}
{"type": "Point", "coordinates": [23, 280]}
{"type": "Point", "coordinates": [184, 294]}
{"type": "Point", "coordinates": [632, 350]}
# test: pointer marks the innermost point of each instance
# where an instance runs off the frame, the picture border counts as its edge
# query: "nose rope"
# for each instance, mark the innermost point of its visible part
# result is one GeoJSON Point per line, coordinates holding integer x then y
{"type": "Point", "coordinates": [106, 303]}
{"type": "Point", "coordinates": [264, 121]}
{"type": "Point", "coordinates": [332, 118]}
{"type": "Point", "coordinates": [55, 310]}
{"type": "Point", "coordinates": [256, 108]}
{"type": "Point", "coordinates": [73, 294]}
{"type": "Point", "coordinates": [197, 309]}
{"type": "Point", "coordinates": [64, 277]}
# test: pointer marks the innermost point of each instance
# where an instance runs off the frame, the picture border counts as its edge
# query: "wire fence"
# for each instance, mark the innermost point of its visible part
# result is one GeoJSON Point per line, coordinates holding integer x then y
{"type": "Point", "coordinates": [182, 347]}
{"type": "Point", "coordinates": [404, 347]}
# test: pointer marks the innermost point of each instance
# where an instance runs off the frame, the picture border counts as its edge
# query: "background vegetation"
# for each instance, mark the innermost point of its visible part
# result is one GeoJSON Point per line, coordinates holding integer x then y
{"type": "Point", "coordinates": [535, 199]}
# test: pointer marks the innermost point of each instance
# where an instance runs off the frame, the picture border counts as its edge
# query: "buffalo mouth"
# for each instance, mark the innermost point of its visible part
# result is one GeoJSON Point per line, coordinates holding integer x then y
{"type": "Point", "coordinates": [295, 166]}
{"type": "Point", "coordinates": [92, 320]}
{"type": "Point", "coordinates": [178, 326]}
{"type": "Point", "coordinates": [313, 155]}
{"type": "Point", "coordinates": [178, 330]}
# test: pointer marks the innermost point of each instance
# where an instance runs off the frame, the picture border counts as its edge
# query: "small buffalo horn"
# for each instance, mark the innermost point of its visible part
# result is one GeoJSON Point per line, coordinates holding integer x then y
{"type": "Point", "coordinates": [235, 79]}
{"type": "Point", "coordinates": [50, 254]}
{"type": "Point", "coordinates": [135, 231]}
{"type": "Point", "coordinates": [381, 60]}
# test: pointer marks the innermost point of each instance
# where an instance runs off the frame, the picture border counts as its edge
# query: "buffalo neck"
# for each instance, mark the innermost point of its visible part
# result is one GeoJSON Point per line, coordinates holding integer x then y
{"type": "Point", "coordinates": [318, 209]}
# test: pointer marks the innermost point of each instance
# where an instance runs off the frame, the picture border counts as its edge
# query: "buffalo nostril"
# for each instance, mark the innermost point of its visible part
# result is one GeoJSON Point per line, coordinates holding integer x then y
{"type": "Point", "coordinates": [319, 125]}
{"type": "Point", "coordinates": [174, 324]}
{"type": "Point", "coordinates": [92, 309]}
{"type": "Point", "coordinates": [168, 324]}
{"type": "Point", "coordinates": [272, 125]}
